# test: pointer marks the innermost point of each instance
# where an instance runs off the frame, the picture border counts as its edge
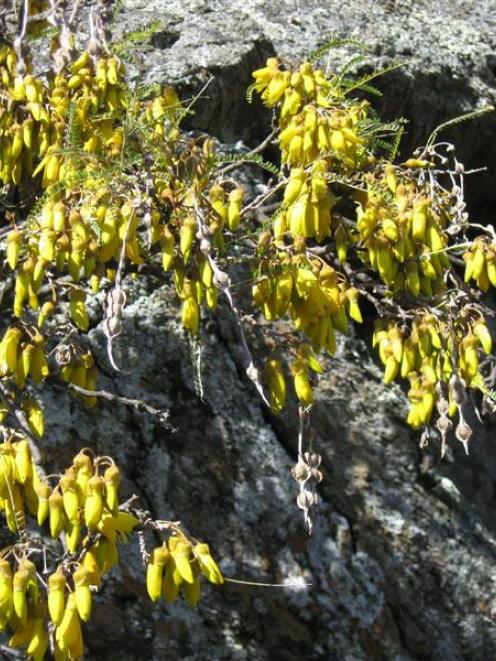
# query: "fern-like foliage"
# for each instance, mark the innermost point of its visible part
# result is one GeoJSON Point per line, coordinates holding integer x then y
{"type": "Point", "coordinates": [243, 159]}
{"type": "Point", "coordinates": [474, 114]}
{"type": "Point", "coordinates": [384, 137]}
{"type": "Point", "coordinates": [249, 93]}
{"type": "Point", "coordinates": [334, 42]}
{"type": "Point", "coordinates": [396, 144]}
{"type": "Point", "coordinates": [362, 83]}
{"type": "Point", "coordinates": [35, 34]}
{"type": "Point", "coordinates": [74, 132]}
{"type": "Point", "coordinates": [124, 46]}
{"type": "Point", "coordinates": [349, 65]}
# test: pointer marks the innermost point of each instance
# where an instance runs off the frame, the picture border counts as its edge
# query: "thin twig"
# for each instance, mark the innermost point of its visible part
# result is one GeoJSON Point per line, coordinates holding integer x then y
{"type": "Point", "coordinates": [262, 197]}
{"type": "Point", "coordinates": [74, 12]}
{"type": "Point", "coordinates": [301, 586]}
{"type": "Point", "coordinates": [9, 651]}
{"type": "Point", "coordinates": [138, 404]}
{"type": "Point", "coordinates": [256, 150]}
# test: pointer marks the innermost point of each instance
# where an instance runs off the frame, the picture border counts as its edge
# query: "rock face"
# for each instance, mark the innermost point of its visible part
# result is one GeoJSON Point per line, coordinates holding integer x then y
{"type": "Point", "coordinates": [401, 561]}
{"type": "Point", "coordinates": [448, 49]}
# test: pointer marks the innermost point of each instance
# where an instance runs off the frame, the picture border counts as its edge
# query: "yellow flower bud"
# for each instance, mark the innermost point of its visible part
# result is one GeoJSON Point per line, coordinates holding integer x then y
{"type": "Point", "coordinates": [112, 479]}
{"type": "Point", "coordinates": [82, 592]}
{"type": "Point", "coordinates": [84, 470]}
{"type": "Point", "coordinates": [172, 582]}
{"type": "Point", "coordinates": [38, 643]}
{"type": "Point", "coordinates": [276, 385]}
{"type": "Point", "coordinates": [208, 566]}
{"type": "Point", "coordinates": [302, 383]}
{"type": "Point", "coordinates": [68, 633]}
{"type": "Point", "coordinates": [23, 461]}
{"type": "Point", "coordinates": [79, 315]}
{"type": "Point", "coordinates": [70, 496]}
{"type": "Point", "coordinates": [14, 239]}
{"type": "Point", "coordinates": [56, 596]}
{"type": "Point", "coordinates": [190, 315]}
{"type": "Point", "coordinates": [20, 584]}
{"type": "Point", "coordinates": [181, 553]}
{"type": "Point", "coordinates": [154, 572]}
{"type": "Point", "coordinates": [43, 492]}
{"type": "Point", "coordinates": [46, 310]}
{"type": "Point", "coordinates": [57, 518]}
{"type": "Point", "coordinates": [6, 591]}
{"type": "Point", "coordinates": [236, 197]}
{"type": "Point", "coordinates": [187, 236]}
{"type": "Point", "coordinates": [93, 507]}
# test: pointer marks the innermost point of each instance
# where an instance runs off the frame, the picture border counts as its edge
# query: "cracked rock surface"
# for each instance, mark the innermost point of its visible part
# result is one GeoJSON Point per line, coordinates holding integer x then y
{"type": "Point", "coordinates": [448, 50]}
{"type": "Point", "coordinates": [400, 560]}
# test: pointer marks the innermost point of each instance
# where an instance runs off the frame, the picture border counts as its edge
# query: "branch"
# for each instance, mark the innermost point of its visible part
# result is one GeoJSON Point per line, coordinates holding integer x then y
{"type": "Point", "coordinates": [138, 404]}
{"type": "Point", "coordinates": [22, 422]}
{"type": "Point", "coordinates": [256, 150]}
{"type": "Point", "coordinates": [9, 651]}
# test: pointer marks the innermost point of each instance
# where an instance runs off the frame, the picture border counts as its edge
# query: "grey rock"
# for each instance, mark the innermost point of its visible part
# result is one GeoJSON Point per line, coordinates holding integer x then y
{"type": "Point", "coordinates": [397, 566]}
{"type": "Point", "coordinates": [448, 49]}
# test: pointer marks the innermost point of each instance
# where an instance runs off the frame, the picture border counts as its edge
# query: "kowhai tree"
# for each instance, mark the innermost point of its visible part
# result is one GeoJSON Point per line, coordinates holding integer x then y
{"type": "Point", "coordinates": [100, 184]}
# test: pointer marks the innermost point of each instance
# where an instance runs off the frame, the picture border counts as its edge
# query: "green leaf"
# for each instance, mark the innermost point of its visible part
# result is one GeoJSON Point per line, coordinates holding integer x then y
{"type": "Point", "coordinates": [242, 159]}
{"type": "Point", "coordinates": [360, 83]}
{"type": "Point", "coordinates": [334, 42]}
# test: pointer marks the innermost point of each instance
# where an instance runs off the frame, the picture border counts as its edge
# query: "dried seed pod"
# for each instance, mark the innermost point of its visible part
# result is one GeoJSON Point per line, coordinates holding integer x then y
{"type": "Point", "coordinates": [457, 390]}
{"type": "Point", "coordinates": [301, 472]}
{"type": "Point", "coordinates": [306, 499]}
{"type": "Point", "coordinates": [463, 433]}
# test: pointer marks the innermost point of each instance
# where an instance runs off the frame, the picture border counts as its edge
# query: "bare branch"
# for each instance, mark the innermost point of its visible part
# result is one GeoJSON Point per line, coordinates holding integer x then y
{"type": "Point", "coordinates": [159, 414]}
